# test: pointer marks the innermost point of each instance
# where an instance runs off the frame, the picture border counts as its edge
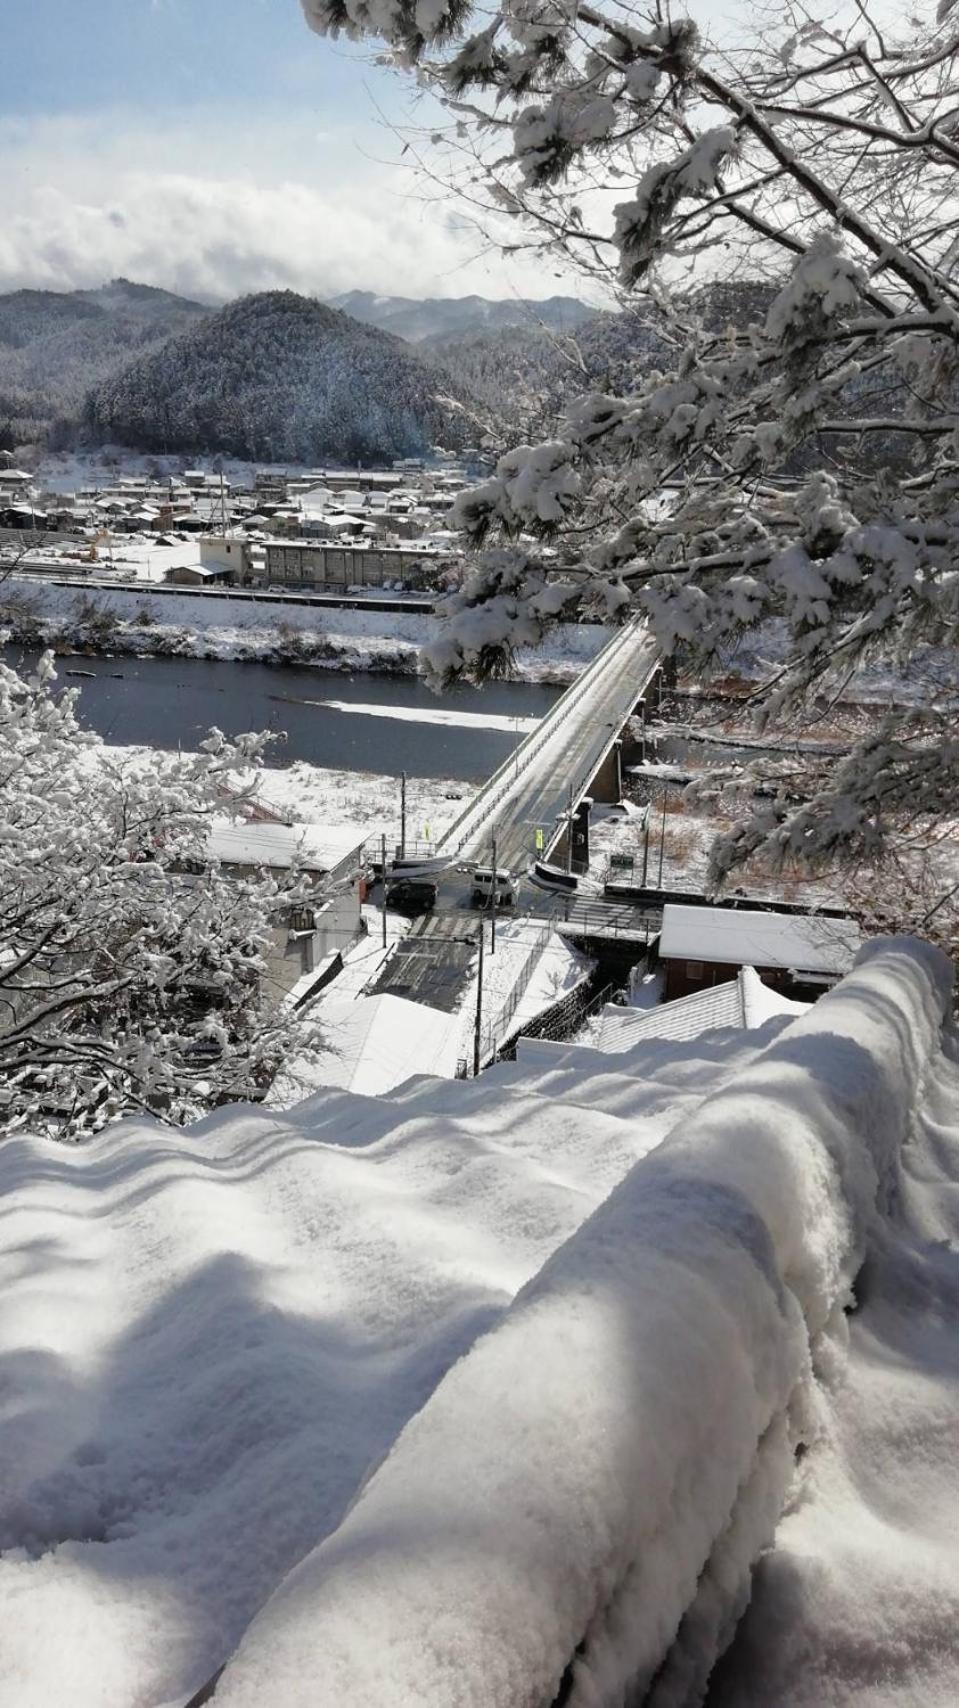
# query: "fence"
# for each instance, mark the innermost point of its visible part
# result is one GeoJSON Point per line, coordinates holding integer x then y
{"type": "Point", "coordinates": [498, 1028]}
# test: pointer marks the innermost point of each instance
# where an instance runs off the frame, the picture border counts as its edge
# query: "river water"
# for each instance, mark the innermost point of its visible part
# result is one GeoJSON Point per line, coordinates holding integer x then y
{"type": "Point", "coordinates": [172, 702]}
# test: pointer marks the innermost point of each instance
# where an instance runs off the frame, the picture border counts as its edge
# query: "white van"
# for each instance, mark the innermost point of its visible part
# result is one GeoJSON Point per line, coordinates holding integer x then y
{"type": "Point", "coordinates": [484, 880]}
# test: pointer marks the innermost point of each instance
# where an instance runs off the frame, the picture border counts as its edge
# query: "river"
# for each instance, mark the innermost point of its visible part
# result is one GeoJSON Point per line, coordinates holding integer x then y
{"type": "Point", "coordinates": [172, 702]}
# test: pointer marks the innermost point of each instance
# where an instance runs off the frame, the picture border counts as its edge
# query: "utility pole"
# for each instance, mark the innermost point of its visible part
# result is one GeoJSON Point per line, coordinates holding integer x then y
{"type": "Point", "coordinates": [649, 809]}
{"type": "Point", "coordinates": [662, 837]}
{"type": "Point", "coordinates": [492, 905]}
{"type": "Point", "coordinates": [569, 830]}
{"type": "Point", "coordinates": [403, 813]}
{"type": "Point", "coordinates": [383, 881]}
{"type": "Point", "coordinates": [478, 1028]}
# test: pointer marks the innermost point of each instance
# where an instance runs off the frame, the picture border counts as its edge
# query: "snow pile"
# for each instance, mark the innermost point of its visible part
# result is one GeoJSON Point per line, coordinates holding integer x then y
{"type": "Point", "coordinates": [858, 1603]}
{"type": "Point", "coordinates": [565, 1512]}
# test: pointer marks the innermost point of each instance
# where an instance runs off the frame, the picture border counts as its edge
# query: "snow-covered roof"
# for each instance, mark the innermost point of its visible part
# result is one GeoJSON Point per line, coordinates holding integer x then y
{"type": "Point", "coordinates": [742, 1002]}
{"type": "Point", "coordinates": [738, 937]}
{"type": "Point", "coordinates": [362, 1371]}
{"type": "Point", "coordinates": [378, 1042]}
{"type": "Point", "coordinates": [247, 842]}
{"type": "Point", "coordinates": [206, 572]}
{"type": "Point", "coordinates": [344, 521]}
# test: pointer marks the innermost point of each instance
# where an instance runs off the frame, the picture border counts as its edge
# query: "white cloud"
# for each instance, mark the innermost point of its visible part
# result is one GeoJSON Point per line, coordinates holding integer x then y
{"type": "Point", "coordinates": [232, 203]}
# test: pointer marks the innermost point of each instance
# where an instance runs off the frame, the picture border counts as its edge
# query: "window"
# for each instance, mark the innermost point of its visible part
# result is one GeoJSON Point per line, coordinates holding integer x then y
{"type": "Point", "coordinates": [694, 969]}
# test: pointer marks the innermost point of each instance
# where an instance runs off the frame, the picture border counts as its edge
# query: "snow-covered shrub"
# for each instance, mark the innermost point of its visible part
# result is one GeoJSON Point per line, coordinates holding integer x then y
{"type": "Point", "coordinates": [131, 968]}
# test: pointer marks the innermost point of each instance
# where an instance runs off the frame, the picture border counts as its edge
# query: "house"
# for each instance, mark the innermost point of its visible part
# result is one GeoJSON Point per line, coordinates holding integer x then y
{"type": "Point", "coordinates": [21, 516]}
{"type": "Point", "coordinates": [799, 955]}
{"type": "Point", "coordinates": [13, 481]}
{"type": "Point", "coordinates": [226, 553]}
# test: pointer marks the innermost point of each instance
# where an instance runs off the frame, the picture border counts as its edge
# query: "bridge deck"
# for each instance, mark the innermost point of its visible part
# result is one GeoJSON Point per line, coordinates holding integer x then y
{"type": "Point", "coordinates": [531, 791]}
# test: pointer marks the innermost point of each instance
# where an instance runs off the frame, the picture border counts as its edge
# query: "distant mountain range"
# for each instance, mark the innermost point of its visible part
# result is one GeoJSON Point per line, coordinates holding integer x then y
{"type": "Point", "coordinates": [279, 377]}
{"type": "Point", "coordinates": [80, 364]}
{"type": "Point", "coordinates": [447, 316]}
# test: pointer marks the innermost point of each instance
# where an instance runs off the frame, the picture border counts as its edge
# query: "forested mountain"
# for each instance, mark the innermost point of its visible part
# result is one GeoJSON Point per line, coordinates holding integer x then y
{"type": "Point", "coordinates": [526, 373]}
{"type": "Point", "coordinates": [519, 374]}
{"type": "Point", "coordinates": [55, 345]}
{"type": "Point", "coordinates": [438, 317]}
{"type": "Point", "coordinates": [281, 377]}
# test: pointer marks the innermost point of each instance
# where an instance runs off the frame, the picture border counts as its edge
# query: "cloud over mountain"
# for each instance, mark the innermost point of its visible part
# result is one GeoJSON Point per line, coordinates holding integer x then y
{"type": "Point", "coordinates": [259, 205]}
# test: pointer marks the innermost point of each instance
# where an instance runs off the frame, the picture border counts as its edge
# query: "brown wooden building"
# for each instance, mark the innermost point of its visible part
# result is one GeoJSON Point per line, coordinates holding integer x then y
{"type": "Point", "coordinates": [799, 955]}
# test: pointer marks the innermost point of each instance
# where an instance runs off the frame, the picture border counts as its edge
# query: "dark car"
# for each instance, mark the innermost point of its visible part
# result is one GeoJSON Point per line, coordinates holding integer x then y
{"type": "Point", "coordinates": [411, 895]}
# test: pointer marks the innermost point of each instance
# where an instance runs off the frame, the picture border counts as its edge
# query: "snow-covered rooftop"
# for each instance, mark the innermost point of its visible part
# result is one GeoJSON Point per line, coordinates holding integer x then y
{"type": "Point", "coordinates": [740, 937]}
{"type": "Point", "coordinates": [386, 1400]}
{"type": "Point", "coordinates": [741, 1002]}
{"type": "Point", "coordinates": [378, 1042]}
{"type": "Point", "coordinates": [246, 842]}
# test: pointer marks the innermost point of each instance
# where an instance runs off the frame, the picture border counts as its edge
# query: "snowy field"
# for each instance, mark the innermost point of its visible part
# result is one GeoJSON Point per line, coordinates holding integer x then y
{"type": "Point", "coordinates": [365, 802]}
{"type": "Point", "coordinates": [400, 1400]}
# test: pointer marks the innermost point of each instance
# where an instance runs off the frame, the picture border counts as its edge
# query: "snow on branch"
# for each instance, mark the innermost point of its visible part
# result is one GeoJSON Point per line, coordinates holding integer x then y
{"type": "Point", "coordinates": [786, 443]}
{"type": "Point", "coordinates": [132, 970]}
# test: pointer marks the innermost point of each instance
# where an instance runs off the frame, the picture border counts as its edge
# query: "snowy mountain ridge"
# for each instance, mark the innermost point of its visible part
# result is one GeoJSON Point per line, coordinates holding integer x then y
{"type": "Point", "coordinates": [281, 377]}
{"type": "Point", "coordinates": [416, 318]}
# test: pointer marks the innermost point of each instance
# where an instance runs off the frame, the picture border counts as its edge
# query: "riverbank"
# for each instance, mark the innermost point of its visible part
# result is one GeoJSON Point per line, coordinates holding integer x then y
{"type": "Point", "coordinates": [367, 803]}
{"type": "Point", "coordinates": [192, 625]}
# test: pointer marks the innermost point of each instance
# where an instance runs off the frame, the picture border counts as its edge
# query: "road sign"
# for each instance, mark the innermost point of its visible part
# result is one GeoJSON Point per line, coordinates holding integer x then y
{"type": "Point", "coordinates": [540, 841]}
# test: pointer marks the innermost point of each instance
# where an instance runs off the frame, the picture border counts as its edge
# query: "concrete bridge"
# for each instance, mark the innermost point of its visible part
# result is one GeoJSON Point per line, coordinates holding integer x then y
{"type": "Point", "coordinates": [531, 802]}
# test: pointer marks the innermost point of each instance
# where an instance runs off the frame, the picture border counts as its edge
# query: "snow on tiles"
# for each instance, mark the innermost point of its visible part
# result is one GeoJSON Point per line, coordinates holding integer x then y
{"type": "Point", "coordinates": [399, 1399]}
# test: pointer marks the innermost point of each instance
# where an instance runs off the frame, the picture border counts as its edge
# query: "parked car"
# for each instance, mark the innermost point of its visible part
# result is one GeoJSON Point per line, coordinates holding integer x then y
{"type": "Point", "coordinates": [485, 881]}
{"type": "Point", "coordinates": [411, 895]}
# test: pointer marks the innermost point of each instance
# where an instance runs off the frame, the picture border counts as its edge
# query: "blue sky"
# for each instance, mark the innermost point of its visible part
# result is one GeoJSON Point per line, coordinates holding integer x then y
{"type": "Point", "coordinates": [213, 147]}
{"type": "Point", "coordinates": [169, 56]}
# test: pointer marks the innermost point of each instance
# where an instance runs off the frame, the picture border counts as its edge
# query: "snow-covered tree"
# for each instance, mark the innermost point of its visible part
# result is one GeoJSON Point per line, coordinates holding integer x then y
{"type": "Point", "coordinates": [131, 969]}
{"type": "Point", "coordinates": [797, 459]}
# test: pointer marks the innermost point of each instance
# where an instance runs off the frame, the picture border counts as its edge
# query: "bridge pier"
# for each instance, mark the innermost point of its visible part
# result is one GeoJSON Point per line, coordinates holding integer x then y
{"type": "Point", "coordinates": [581, 835]}
{"type": "Point", "coordinates": [607, 782]}
{"type": "Point", "coordinates": [560, 853]}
